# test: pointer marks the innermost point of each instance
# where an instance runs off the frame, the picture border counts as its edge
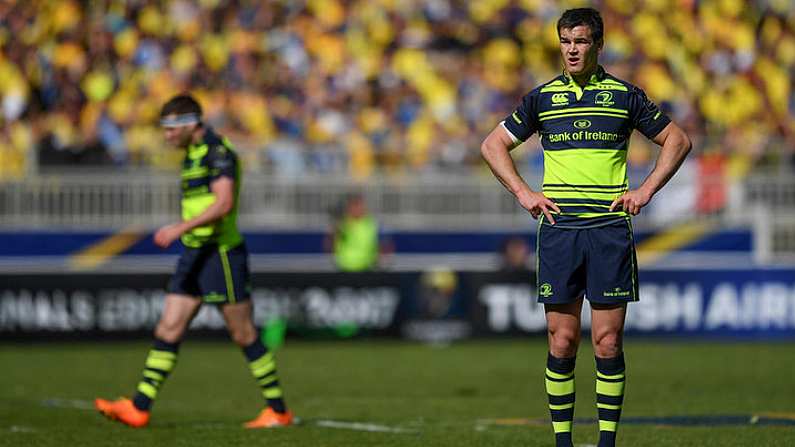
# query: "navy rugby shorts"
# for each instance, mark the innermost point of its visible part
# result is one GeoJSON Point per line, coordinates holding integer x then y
{"type": "Point", "coordinates": [599, 263]}
{"type": "Point", "coordinates": [214, 274]}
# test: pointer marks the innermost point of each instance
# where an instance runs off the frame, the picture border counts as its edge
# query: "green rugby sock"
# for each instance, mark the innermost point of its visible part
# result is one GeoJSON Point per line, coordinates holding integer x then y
{"type": "Point", "coordinates": [263, 368]}
{"type": "Point", "coordinates": [159, 363]}
{"type": "Point", "coordinates": [559, 380]}
{"type": "Point", "coordinates": [610, 379]}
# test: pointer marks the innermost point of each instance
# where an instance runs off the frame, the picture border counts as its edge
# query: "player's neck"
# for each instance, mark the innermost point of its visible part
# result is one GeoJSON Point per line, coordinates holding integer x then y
{"type": "Point", "coordinates": [197, 135]}
{"type": "Point", "coordinates": [584, 77]}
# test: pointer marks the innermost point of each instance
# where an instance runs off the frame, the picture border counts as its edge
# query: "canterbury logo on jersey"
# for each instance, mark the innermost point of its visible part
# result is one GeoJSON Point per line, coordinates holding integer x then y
{"type": "Point", "coordinates": [560, 99]}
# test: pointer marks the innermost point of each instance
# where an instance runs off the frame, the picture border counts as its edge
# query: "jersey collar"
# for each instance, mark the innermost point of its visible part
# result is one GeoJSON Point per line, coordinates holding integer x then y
{"type": "Point", "coordinates": [207, 136]}
{"type": "Point", "coordinates": [596, 78]}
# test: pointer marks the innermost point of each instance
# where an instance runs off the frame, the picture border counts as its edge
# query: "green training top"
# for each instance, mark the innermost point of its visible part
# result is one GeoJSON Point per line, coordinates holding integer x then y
{"type": "Point", "coordinates": [356, 244]}
{"type": "Point", "coordinates": [585, 132]}
{"type": "Point", "coordinates": [204, 163]}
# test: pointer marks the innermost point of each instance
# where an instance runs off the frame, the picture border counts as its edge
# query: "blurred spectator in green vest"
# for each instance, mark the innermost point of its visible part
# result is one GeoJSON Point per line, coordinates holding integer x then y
{"type": "Point", "coordinates": [354, 239]}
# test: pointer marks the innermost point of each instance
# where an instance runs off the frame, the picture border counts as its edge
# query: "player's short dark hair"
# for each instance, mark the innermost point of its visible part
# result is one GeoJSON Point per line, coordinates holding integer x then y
{"type": "Point", "coordinates": [181, 105]}
{"type": "Point", "coordinates": [583, 16]}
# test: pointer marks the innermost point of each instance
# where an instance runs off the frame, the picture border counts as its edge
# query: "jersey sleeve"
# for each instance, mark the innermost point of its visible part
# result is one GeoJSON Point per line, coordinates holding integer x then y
{"type": "Point", "coordinates": [222, 162]}
{"type": "Point", "coordinates": [523, 122]}
{"type": "Point", "coordinates": [646, 116]}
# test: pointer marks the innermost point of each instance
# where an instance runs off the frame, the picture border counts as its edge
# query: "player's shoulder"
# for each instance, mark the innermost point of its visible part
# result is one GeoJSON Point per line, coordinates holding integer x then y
{"type": "Point", "coordinates": [533, 99]}
{"type": "Point", "coordinates": [556, 84]}
{"type": "Point", "coordinates": [217, 145]}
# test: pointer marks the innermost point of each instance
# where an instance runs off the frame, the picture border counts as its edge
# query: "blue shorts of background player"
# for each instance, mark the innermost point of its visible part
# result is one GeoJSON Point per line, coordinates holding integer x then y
{"type": "Point", "coordinates": [214, 274]}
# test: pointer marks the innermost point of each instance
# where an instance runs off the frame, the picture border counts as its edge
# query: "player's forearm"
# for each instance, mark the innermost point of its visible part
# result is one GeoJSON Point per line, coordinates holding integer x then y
{"type": "Point", "coordinates": [501, 164]}
{"type": "Point", "coordinates": [672, 155]}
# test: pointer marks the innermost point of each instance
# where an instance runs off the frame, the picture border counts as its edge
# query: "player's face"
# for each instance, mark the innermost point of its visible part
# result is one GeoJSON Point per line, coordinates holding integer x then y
{"type": "Point", "coordinates": [580, 52]}
{"type": "Point", "coordinates": [179, 136]}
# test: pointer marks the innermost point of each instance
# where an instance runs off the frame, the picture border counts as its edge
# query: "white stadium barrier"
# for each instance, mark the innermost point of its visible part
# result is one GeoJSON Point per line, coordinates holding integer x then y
{"type": "Point", "coordinates": [117, 200]}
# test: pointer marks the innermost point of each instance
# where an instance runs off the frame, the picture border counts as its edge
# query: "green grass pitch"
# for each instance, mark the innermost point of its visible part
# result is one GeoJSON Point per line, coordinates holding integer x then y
{"type": "Point", "coordinates": [418, 395]}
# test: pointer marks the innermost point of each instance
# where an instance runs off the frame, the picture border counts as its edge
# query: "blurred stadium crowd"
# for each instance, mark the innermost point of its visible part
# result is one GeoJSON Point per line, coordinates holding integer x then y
{"type": "Point", "coordinates": [364, 86]}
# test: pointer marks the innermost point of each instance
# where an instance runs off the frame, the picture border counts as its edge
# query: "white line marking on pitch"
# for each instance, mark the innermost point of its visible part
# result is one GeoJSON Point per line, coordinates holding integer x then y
{"type": "Point", "coordinates": [360, 426]}
{"type": "Point", "coordinates": [68, 403]}
{"type": "Point", "coordinates": [20, 429]}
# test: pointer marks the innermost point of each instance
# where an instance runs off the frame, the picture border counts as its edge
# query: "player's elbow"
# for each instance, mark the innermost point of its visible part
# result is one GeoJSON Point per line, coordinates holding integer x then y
{"type": "Point", "coordinates": [688, 143]}
{"type": "Point", "coordinates": [484, 150]}
{"type": "Point", "coordinates": [684, 142]}
{"type": "Point", "coordinates": [488, 148]}
{"type": "Point", "coordinates": [225, 206]}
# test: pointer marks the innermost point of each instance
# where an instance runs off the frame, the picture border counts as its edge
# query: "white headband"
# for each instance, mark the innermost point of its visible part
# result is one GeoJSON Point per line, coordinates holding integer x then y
{"type": "Point", "coordinates": [185, 119]}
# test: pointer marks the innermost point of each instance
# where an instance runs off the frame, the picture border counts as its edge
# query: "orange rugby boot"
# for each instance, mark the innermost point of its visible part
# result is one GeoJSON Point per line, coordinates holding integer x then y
{"type": "Point", "coordinates": [268, 419]}
{"type": "Point", "coordinates": [122, 410]}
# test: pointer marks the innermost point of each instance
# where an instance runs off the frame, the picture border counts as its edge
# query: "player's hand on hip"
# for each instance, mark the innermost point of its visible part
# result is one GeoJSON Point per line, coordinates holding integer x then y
{"type": "Point", "coordinates": [537, 203]}
{"type": "Point", "coordinates": [166, 235]}
{"type": "Point", "coordinates": [631, 201]}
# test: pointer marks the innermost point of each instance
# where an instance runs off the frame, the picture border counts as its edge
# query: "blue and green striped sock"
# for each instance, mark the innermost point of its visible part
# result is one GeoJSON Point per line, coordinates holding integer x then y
{"type": "Point", "coordinates": [559, 380]}
{"type": "Point", "coordinates": [610, 379]}
{"type": "Point", "coordinates": [159, 363]}
{"type": "Point", "coordinates": [263, 368]}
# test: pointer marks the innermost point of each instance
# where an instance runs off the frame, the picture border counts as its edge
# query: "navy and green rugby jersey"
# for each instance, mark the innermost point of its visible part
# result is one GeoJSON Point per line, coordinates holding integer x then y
{"type": "Point", "coordinates": [204, 163]}
{"type": "Point", "coordinates": [585, 132]}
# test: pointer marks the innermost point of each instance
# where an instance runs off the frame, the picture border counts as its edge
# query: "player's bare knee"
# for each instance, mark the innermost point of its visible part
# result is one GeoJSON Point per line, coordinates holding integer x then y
{"type": "Point", "coordinates": [607, 344]}
{"type": "Point", "coordinates": [240, 338]}
{"type": "Point", "coordinates": [170, 334]}
{"type": "Point", "coordinates": [243, 336]}
{"type": "Point", "coordinates": [169, 331]}
{"type": "Point", "coordinates": [563, 343]}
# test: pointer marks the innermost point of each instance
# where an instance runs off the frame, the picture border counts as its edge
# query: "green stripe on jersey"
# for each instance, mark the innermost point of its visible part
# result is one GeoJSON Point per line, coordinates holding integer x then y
{"type": "Point", "coordinates": [585, 167]}
{"type": "Point", "coordinates": [597, 205]}
{"type": "Point", "coordinates": [585, 109]}
{"type": "Point", "coordinates": [555, 88]}
{"type": "Point", "coordinates": [193, 173]}
{"type": "Point", "coordinates": [573, 192]}
{"type": "Point", "coordinates": [593, 215]}
{"type": "Point", "coordinates": [566, 115]}
{"type": "Point", "coordinates": [623, 147]}
{"type": "Point", "coordinates": [607, 87]}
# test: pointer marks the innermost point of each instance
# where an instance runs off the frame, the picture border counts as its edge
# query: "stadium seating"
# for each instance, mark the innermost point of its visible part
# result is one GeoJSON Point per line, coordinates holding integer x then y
{"type": "Point", "coordinates": [328, 86]}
